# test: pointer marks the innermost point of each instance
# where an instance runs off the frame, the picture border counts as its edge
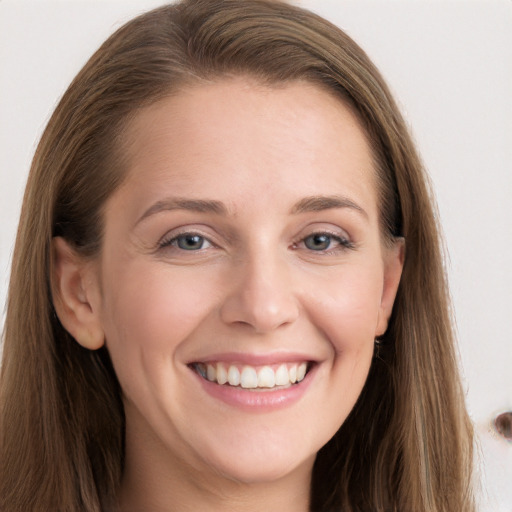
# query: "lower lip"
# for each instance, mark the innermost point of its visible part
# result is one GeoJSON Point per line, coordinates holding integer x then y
{"type": "Point", "coordinates": [257, 401]}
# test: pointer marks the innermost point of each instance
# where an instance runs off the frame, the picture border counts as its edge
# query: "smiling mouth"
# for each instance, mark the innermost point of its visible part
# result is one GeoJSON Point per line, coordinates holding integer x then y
{"type": "Point", "coordinates": [257, 378]}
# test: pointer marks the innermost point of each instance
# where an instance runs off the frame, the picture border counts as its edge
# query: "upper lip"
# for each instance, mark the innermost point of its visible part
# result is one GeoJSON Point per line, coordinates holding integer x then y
{"type": "Point", "coordinates": [253, 359]}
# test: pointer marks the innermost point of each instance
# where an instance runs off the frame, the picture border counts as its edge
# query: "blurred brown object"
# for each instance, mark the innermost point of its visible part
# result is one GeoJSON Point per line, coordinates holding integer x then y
{"type": "Point", "coordinates": [503, 424]}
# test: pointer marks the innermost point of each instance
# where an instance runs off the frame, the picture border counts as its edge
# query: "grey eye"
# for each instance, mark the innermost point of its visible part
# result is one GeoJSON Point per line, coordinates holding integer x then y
{"type": "Point", "coordinates": [318, 242]}
{"type": "Point", "coordinates": [190, 242]}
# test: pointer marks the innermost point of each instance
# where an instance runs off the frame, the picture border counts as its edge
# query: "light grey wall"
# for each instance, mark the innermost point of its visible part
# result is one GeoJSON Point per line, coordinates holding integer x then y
{"type": "Point", "coordinates": [450, 65]}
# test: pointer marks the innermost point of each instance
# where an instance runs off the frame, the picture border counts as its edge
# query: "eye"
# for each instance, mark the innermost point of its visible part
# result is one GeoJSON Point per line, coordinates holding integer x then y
{"type": "Point", "coordinates": [326, 242]}
{"type": "Point", "coordinates": [187, 242]}
{"type": "Point", "coordinates": [318, 242]}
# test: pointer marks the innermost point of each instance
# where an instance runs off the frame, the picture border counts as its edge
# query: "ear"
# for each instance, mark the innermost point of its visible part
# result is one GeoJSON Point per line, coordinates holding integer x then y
{"type": "Point", "coordinates": [393, 264]}
{"type": "Point", "coordinates": [76, 297]}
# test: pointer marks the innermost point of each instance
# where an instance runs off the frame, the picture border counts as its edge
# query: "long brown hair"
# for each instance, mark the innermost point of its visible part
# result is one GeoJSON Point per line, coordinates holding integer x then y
{"type": "Point", "coordinates": [407, 444]}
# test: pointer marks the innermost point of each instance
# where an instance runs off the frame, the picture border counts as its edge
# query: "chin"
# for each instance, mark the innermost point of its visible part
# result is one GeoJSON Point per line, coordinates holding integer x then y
{"type": "Point", "coordinates": [263, 472]}
{"type": "Point", "coordinates": [260, 458]}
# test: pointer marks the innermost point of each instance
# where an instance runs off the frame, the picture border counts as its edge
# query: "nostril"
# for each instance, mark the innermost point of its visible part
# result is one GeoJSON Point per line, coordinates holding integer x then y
{"type": "Point", "coordinates": [503, 424]}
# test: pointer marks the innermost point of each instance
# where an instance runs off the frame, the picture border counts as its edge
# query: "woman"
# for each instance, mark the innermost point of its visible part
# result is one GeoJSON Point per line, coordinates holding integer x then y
{"type": "Point", "coordinates": [236, 297]}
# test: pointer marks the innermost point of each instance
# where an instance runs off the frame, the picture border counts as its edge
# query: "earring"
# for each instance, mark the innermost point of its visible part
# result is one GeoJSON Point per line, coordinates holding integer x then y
{"type": "Point", "coordinates": [378, 344]}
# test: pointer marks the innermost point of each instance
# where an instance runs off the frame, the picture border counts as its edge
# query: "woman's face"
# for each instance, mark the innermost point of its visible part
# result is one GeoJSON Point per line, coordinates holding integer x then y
{"type": "Point", "coordinates": [242, 251]}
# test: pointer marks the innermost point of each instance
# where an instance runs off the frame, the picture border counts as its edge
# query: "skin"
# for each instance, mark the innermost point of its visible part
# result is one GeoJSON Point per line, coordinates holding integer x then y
{"type": "Point", "coordinates": [257, 285]}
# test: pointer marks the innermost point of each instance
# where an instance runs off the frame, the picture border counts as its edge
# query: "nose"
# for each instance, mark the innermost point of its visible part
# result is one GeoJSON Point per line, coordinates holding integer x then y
{"type": "Point", "coordinates": [261, 297]}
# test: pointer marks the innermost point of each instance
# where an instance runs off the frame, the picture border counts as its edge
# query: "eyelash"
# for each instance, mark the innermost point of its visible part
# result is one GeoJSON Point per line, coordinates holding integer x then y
{"type": "Point", "coordinates": [174, 240]}
{"type": "Point", "coordinates": [343, 243]}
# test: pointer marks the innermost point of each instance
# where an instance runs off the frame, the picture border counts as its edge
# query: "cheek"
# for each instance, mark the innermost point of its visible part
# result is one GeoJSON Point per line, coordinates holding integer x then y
{"type": "Point", "coordinates": [347, 311]}
{"type": "Point", "coordinates": [147, 316]}
{"type": "Point", "coordinates": [347, 307]}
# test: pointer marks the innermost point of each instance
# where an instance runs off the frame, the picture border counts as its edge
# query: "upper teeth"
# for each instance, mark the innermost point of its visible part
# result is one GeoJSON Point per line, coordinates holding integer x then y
{"type": "Point", "coordinates": [249, 377]}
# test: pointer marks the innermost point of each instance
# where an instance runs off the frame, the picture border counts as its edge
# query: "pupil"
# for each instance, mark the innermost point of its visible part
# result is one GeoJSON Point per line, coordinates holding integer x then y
{"type": "Point", "coordinates": [190, 242]}
{"type": "Point", "coordinates": [318, 242]}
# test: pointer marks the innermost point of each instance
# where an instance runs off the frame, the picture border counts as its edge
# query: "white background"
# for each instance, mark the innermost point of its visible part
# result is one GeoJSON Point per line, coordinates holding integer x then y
{"type": "Point", "coordinates": [450, 66]}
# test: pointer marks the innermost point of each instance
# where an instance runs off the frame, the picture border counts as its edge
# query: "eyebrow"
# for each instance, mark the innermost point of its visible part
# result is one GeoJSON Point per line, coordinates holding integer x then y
{"type": "Point", "coordinates": [320, 203]}
{"type": "Point", "coordinates": [306, 204]}
{"type": "Point", "coordinates": [195, 205]}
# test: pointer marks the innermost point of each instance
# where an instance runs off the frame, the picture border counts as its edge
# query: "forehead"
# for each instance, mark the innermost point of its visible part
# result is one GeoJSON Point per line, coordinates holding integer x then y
{"type": "Point", "coordinates": [249, 137]}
